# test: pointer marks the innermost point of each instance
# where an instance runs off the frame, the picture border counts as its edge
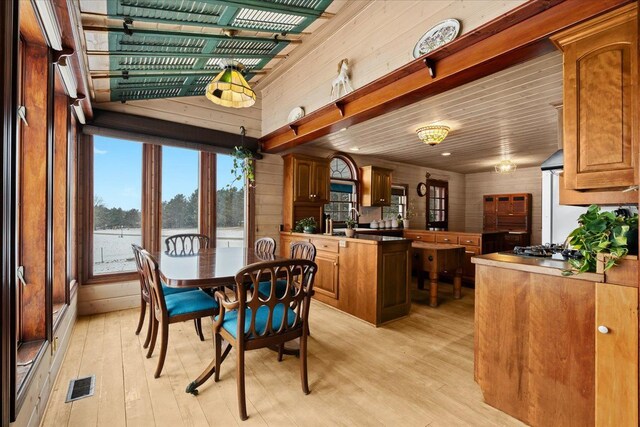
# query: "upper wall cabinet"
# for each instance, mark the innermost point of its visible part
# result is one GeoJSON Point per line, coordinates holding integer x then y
{"type": "Point", "coordinates": [376, 186]}
{"type": "Point", "coordinates": [600, 101]}
{"type": "Point", "coordinates": [310, 179]}
{"type": "Point", "coordinates": [306, 188]}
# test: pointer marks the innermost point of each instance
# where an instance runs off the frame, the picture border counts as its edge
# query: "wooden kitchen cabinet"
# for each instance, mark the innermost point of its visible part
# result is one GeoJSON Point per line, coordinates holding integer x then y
{"type": "Point", "coordinates": [327, 279]}
{"type": "Point", "coordinates": [310, 178]}
{"type": "Point", "coordinates": [306, 188]}
{"type": "Point", "coordinates": [376, 186]}
{"type": "Point", "coordinates": [616, 335]}
{"type": "Point", "coordinates": [509, 213]}
{"type": "Point", "coordinates": [489, 213]}
{"type": "Point", "coordinates": [601, 101]}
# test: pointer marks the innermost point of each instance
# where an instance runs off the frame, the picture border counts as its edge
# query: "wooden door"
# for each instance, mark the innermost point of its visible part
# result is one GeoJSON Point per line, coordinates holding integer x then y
{"type": "Point", "coordinates": [616, 355]}
{"type": "Point", "coordinates": [326, 280]}
{"type": "Point", "coordinates": [302, 180]}
{"type": "Point", "coordinates": [503, 205]}
{"type": "Point", "coordinates": [322, 182]}
{"type": "Point", "coordinates": [600, 101]}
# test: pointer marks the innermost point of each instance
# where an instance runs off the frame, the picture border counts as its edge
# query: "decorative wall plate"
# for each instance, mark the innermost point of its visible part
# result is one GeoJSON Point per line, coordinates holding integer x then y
{"type": "Point", "coordinates": [437, 36]}
{"type": "Point", "coordinates": [295, 114]}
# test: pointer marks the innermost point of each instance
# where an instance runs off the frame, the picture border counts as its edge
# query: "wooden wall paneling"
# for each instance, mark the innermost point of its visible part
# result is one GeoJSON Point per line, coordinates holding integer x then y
{"type": "Point", "coordinates": [268, 196]}
{"type": "Point", "coordinates": [33, 192]}
{"type": "Point", "coordinates": [412, 82]}
{"type": "Point", "coordinates": [151, 197]}
{"type": "Point", "coordinates": [207, 192]}
{"type": "Point", "coordinates": [250, 213]}
{"type": "Point", "coordinates": [60, 192]}
{"type": "Point", "coordinates": [525, 180]}
{"type": "Point", "coordinates": [8, 94]}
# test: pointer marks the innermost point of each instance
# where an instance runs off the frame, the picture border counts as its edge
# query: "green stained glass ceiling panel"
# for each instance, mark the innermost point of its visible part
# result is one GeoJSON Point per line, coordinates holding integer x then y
{"type": "Point", "coordinates": [198, 55]}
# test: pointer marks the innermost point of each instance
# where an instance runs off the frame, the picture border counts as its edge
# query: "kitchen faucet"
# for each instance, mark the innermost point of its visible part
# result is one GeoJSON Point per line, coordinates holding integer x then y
{"type": "Point", "coordinates": [357, 213]}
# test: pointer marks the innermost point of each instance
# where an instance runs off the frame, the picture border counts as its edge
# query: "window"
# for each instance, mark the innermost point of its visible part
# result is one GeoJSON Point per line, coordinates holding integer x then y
{"type": "Point", "coordinates": [398, 203]}
{"type": "Point", "coordinates": [180, 176]}
{"type": "Point", "coordinates": [230, 206]}
{"type": "Point", "coordinates": [437, 204]}
{"type": "Point", "coordinates": [117, 204]}
{"type": "Point", "coordinates": [344, 189]}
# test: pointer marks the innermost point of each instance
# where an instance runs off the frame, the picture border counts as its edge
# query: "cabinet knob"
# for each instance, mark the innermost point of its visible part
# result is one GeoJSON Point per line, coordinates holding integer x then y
{"type": "Point", "coordinates": [603, 329]}
{"type": "Point", "coordinates": [446, 240]}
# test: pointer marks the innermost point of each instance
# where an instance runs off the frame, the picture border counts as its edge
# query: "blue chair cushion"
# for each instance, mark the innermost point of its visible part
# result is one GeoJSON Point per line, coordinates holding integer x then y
{"type": "Point", "coordinates": [265, 288]}
{"type": "Point", "coordinates": [168, 290]}
{"type": "Point", "coordinates": [230, 323]}
{"type": "Point", "coordinates": [189, 302]}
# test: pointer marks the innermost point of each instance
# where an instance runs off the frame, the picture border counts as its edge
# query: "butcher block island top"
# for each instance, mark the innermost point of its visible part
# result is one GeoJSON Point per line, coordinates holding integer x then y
{"type": "Point", "coordinates": [367, 276]}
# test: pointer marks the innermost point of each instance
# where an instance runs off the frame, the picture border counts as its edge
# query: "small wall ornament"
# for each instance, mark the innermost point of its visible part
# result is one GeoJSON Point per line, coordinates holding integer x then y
{"type": "Point", "coordinates": [342, 83]}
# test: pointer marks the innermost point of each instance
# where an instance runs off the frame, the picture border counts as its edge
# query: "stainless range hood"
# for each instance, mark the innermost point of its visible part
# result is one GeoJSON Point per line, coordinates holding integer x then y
{"type": "Point", "coordinates": [554, 162]}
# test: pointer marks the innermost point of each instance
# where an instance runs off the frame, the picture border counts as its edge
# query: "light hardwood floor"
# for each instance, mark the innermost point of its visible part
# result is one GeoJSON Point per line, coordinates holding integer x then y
{"type": "Point", "coordinates": [417, 371]}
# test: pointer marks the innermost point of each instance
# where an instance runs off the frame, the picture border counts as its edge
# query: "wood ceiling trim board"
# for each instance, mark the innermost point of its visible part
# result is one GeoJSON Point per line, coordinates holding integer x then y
{"type": "Point", "coordinates": [512, 45]}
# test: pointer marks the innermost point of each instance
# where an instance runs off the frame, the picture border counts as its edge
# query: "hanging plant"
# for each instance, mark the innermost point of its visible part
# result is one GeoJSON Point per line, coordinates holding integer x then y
{"type": "Point", "coordinates": [243, 167]}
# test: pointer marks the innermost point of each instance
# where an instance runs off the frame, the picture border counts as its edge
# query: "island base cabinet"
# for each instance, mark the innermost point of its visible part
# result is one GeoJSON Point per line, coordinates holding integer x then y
{"type": "Point", "coordinates": [327, 278]}
{"type": "Point", "coordinates": [616, 355]}
{"type": "Point", "coordinates": [535, 346]}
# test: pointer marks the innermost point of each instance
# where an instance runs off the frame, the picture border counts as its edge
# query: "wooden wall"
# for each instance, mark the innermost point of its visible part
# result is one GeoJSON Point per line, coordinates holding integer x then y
{"type": "Point", "coordinates": [379, 38]}
{"type": "Point", "coordinates": [196, 111]}
{"type": "Point", "coordinates": [527, 180]}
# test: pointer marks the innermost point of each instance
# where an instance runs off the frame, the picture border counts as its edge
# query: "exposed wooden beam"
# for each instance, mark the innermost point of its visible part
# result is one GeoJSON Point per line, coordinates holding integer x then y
{"type": "Point", "coordinates": [182, 55]}
{"type": "Point", "coordinates": [162, 132]}
{"type": "Point", "coordinates": [512, 38]}
{"type": "Point", "coordinates": [185, 34]}
{"type": "Point", "coordinates": [119, 75]}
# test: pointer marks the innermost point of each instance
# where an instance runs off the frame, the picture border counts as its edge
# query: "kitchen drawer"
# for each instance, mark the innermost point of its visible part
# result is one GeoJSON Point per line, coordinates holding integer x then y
{"type": "Point", "coordinates": [447, 238]}
{"type": "Point", "coordinates": [469, 240]}
{"type": "Point", "coordinates": [327, 245]}
{"type": "Point", "coordinates": [423, 237]}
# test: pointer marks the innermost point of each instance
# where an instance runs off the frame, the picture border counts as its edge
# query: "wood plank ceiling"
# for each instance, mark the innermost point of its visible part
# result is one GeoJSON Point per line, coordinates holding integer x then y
{"type": "Point", "coordinates": [507, 115]}
{"type": "Point", "coordinates": [151, 49]}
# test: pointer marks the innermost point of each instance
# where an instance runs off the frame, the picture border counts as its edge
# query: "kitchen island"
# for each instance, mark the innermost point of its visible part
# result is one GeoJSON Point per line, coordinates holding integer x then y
{"type": "Point", "coordinates": [536, 335]}
{"type": "Point", "coordinates": [367, 276]}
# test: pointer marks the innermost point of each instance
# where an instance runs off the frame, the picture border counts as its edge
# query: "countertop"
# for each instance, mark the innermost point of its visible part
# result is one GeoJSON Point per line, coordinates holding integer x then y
{"type": "Point", "coordinates": [360, 238]}
{"type": "Point", "coordinates": [548, 266]}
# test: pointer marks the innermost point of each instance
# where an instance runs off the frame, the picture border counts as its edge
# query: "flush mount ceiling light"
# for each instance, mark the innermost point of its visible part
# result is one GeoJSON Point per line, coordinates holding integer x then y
{"type": "Point", "coordinates": [505, 167]}
{"type": "Point", "coordinates": [433, 134]}
{"type": "Point", "coordinates": [230, 89]}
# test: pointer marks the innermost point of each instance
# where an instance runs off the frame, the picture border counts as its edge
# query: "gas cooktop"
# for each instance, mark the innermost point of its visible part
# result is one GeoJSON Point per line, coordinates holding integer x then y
{"type": "Point", "coordinates": [553, 250]}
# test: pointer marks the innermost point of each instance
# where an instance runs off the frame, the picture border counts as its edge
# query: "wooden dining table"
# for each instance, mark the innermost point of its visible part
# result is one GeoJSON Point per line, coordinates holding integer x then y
{"type": "Point", "coordinates": [207, 268]}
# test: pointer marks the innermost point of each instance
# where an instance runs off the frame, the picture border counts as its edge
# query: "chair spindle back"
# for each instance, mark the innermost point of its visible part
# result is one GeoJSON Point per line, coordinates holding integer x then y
{"type": "Point", "coordinates": [185, 244]}
{"type": "Point", "coordinates": [266, 245]}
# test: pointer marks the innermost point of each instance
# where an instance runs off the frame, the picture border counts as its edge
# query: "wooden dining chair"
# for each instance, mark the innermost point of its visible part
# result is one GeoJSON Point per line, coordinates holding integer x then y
{"type": "Point", "coordinates": [265, 244]}
{"type": "Point", "coordinates": [251, 321]}
{"type": "Point", "coordinates": [145, 298]}
{"type": "Point", "coordinates": [168, 309]}
{"type": "Point", "coordinates": [187, 243]}
{"type": "Point", "coordinates": [297, 250]}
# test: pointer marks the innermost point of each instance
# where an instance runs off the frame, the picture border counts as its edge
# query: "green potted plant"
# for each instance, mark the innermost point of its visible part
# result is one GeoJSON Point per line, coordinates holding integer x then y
{"type": "Point", "coordinates": [411, 211]}
{"type": "Point", "coordinates": [350, 223]}
{"type": "Point", "coordinates": [306, 225]}
{"type": "Point", "coordinates": [601, 235]}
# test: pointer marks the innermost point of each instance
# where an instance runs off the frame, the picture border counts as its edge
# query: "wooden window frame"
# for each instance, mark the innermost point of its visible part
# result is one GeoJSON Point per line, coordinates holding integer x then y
{"type": "Point", "coordinates": [438, 224]}
{"type": "Point", "coordinates": [353, 167]}
{"type": "Point", "coordinates": [151, 211]}
{"type": "Point", "coordinates": [406, 195]}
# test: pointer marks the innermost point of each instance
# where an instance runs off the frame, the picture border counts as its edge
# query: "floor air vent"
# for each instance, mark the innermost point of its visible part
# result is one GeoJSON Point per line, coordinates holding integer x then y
{"type": "Point", "coordinates": [81, 388]}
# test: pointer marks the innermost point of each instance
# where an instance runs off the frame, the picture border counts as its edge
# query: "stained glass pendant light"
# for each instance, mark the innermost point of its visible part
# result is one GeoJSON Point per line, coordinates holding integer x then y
{"type": "Point", "coordinates": [433, 134]}
{"type": "Point", "coordinates": [230, 89]}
